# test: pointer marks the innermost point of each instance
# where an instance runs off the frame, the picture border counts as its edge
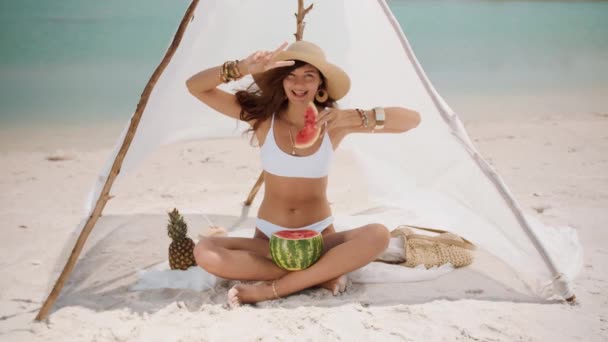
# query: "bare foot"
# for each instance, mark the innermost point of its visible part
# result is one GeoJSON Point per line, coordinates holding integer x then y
{"type": "Point", "coordinates": [249, 294]}
{"type": "Point", "coordinates": [336, 285]}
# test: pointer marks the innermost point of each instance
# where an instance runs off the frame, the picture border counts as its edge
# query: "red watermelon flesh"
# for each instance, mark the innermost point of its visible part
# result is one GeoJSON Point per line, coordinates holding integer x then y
{"type": "Point", "coordinates": [296, 234]}
{"type": "Point", "coordinates": [309, 134]}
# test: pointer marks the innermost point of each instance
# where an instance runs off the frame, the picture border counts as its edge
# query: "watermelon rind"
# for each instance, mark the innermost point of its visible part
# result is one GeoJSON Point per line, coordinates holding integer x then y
{"type": "Point", "coordinates": [296, 254]}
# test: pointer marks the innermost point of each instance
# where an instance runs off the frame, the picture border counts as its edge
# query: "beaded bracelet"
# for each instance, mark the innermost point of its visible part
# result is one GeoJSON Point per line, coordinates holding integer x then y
{"type": "Point", "coordinates": [364, 118]}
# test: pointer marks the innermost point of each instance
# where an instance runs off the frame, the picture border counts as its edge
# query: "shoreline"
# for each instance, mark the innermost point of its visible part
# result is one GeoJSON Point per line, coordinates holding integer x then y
{"type": "Point", "coordinates": [46, 137]}
{"type": "Point", "coordinates": [471, 108]}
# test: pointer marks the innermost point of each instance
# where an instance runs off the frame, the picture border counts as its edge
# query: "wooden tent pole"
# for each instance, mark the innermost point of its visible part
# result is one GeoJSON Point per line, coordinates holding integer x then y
{"type": "Point", "coordinates": [300, 24]}
{"type": "Point", "coordinates": [255, 189]}
{"type": "Point", "coordinates": [115, 170]}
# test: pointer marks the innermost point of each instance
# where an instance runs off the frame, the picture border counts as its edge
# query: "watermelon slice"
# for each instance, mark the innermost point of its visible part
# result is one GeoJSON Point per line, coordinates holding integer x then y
{"type": "Point", "coordinates": [309, 134]}
{"type": "Point", "coordinates": [295, 250]}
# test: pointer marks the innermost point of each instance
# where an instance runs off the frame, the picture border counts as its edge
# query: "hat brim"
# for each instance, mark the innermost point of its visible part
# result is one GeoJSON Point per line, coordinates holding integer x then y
{"type": "Point", "coordinates": [337, 81]}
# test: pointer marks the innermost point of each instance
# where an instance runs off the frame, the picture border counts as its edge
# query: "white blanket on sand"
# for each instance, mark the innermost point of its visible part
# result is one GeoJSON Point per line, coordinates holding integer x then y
{"type": "Point", "coordinates": [195, 278]}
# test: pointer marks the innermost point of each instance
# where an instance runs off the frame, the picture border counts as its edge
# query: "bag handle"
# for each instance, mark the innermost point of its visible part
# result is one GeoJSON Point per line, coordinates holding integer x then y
{"type": "Point", "coordinates": [464, 244]}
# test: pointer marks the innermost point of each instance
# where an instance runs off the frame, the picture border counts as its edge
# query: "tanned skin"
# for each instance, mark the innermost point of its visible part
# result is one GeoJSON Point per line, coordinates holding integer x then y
{"type": "Point", "coordinates": [292, 202]}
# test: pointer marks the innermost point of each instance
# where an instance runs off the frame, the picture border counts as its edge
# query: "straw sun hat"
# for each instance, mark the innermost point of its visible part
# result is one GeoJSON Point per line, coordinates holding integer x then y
{"type": "Point", "coordinates": [337, 81]}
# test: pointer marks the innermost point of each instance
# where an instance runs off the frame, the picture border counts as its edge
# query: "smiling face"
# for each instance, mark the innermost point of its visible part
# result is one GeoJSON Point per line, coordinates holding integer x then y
{"type": "Point", "coordinates": [302, 83]}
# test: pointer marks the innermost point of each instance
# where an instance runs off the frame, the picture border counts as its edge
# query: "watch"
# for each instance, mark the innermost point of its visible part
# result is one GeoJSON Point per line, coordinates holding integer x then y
{"type": "Point", "coordinates": [380, 117]}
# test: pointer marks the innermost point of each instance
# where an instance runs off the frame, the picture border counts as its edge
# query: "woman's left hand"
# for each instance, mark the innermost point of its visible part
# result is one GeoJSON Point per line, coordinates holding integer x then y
{"type": "Point", "coordinates": [335, 118]}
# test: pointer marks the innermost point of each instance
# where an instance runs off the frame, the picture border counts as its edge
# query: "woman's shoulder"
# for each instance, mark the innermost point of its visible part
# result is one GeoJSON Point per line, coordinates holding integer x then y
{"type": "Point", "coordinates": [260, 128]}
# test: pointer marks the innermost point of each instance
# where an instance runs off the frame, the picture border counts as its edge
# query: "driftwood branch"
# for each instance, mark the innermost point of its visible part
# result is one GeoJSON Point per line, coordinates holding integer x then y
{"type": "Point", "coordinates": [255, 189]}
{"type": "Point", "coordinates": [300, 24]}
{"type": "Point", "coordinates": [115, 170]}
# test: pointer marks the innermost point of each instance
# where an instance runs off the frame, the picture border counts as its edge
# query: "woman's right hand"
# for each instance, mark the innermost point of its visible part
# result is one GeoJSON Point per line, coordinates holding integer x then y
{"type": "Point", "coordinates": [262, 61]}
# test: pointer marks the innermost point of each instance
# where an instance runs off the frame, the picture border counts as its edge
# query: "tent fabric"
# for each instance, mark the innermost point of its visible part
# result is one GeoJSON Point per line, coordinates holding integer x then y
{"type": "Point", "coordinates": [430, 176]}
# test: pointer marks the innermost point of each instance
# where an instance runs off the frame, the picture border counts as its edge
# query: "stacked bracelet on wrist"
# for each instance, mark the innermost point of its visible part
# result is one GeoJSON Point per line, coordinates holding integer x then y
{"type": "Point", "coordinates": [230, 71]}
{"type": "Point", "coordinates": [364, 118]}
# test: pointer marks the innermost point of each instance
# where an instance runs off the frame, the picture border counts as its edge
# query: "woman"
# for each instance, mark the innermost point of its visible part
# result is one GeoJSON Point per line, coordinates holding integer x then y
{"type": "Point", "coordinates": [296, 179]}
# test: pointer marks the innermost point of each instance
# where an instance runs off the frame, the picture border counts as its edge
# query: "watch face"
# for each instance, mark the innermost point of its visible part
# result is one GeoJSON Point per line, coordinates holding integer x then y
{"type": "Point", "coordinates": [380, 116]}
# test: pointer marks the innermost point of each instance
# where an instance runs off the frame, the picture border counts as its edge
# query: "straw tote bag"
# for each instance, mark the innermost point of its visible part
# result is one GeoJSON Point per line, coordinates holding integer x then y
{"type": "Point", "coordinates": [435, 250]}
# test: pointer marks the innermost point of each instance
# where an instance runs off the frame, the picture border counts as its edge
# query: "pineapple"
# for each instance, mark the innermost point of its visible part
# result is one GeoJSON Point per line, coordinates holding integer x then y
{"type": "Point", "coordinates": [181, 250]}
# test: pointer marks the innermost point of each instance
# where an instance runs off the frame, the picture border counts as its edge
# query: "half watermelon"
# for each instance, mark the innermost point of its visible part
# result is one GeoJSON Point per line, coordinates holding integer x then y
{"type": "Point", "coordinates": [296, 250]}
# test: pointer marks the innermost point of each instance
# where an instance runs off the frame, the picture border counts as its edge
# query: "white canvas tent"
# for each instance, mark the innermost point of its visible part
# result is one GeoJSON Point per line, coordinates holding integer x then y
{"type": "Point", "coordinates": [432, 175]}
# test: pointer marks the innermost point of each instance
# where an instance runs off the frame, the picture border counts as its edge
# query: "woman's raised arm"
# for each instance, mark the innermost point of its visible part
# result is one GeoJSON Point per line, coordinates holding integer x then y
{"type": "Point", "coordinates": [203, 85]}
{"type": "Point", "coordinates": [393, 120]}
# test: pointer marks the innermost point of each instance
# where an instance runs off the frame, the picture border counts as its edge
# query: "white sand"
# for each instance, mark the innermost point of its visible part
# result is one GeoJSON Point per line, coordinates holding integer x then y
{"type": "Point", "coordinates": [556, 165]}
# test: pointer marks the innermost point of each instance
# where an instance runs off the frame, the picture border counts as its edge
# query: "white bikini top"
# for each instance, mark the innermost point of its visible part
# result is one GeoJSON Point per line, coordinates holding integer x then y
{"type": "Point", "coordinates": [279, 163]}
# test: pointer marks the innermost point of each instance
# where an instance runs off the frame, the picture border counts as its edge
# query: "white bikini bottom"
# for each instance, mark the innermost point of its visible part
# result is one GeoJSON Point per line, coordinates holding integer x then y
{"type": "Point", "coordinates": [269, 228]}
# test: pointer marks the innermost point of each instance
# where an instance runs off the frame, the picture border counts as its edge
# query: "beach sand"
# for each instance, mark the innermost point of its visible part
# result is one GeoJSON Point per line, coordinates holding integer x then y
{"type": "Point", "coordinates": [556, 165]}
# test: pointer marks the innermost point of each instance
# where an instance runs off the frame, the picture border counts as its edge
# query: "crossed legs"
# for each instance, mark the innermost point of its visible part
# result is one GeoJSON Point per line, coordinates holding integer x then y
{"type": "Point", "coordinates": [249, 259]}
{"type": "Point", "coordinates": [246, 259]}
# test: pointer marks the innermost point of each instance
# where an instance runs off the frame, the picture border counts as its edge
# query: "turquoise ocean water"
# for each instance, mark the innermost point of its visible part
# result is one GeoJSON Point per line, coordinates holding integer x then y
{"type": "Point", "coordinates": [82, 60]}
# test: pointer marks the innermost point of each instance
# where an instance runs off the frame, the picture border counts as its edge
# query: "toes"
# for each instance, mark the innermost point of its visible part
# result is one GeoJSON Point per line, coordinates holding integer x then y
{"type": "Point", "coordinates": [342, 283]}
{"type": "Point", "coordinates": [233, 299]}
{"type": "Point", "coordinates": [336, 286]}
{"type": "Point", "coordinates": [345, 284]}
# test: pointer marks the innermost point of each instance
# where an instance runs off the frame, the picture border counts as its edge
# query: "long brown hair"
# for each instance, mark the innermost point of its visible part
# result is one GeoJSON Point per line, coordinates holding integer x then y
{"type": "Point", "coordinates": [258, 105]}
